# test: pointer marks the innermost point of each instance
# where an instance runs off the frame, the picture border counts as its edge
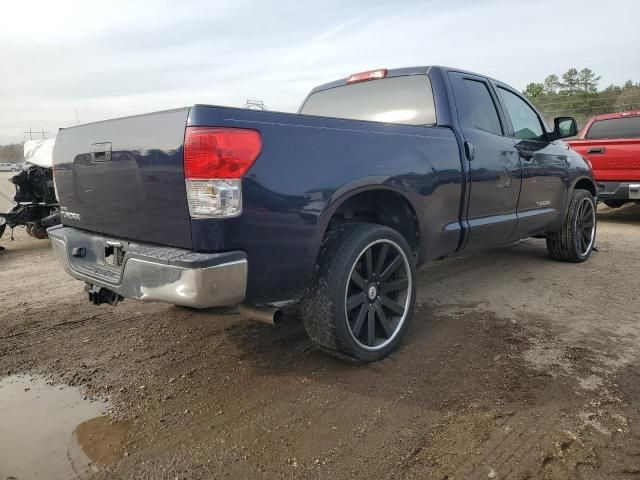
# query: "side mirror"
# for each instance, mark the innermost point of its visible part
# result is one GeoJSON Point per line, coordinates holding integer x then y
{"type": "Point", "coordinates": [564, 127]}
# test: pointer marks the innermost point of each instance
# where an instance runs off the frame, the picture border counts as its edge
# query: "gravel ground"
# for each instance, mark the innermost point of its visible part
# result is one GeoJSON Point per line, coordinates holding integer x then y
{"type": "Point", "coordinates": [515, 366]}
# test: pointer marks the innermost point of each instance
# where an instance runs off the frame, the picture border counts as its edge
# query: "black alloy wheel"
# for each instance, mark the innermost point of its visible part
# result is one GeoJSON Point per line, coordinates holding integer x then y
{"type": "Point", "coordinates": [576, 238]}
{"type": "Point", "coordinates": [585, 226]}
{"type": "Point", "coordinates": [361, 300]}
{"type": "Point", "coordinates": [377, 294]}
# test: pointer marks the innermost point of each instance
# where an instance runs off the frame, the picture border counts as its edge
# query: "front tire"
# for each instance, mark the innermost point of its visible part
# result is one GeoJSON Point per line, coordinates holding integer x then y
{"type": "Point", "coordinates": [575, 240]}
{"type": "Point", "coordinates": [362, 299]}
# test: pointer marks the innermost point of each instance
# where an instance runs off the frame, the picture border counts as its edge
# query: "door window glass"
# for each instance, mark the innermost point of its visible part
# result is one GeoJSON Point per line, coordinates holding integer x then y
{"type": "Point", "coordinates": [525, 121]}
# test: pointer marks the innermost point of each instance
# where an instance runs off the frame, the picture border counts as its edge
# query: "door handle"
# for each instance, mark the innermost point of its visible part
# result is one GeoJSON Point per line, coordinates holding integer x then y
{"type": "Point", "coordinates": [469, 150]}
{"type": "Point", "coordinates": [526, 155]}
{"type": "Point", "coordinates": [596, 150]}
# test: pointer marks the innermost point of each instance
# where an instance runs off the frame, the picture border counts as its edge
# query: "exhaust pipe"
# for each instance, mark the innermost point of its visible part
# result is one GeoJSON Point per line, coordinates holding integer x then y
{"type": "Point", "coordinates": [269, 315]}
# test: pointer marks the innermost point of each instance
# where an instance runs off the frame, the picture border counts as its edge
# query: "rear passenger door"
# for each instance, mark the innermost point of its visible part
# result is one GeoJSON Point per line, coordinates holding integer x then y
{"type": "Point", "coordinates": [492, 159]}
{"type": "Point", "coordinates": [544, 167]}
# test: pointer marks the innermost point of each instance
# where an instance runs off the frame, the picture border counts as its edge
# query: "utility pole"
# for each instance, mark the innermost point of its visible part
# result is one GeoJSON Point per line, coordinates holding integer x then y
{"type": "Point", "coordinates": [31, 132]}
{"type": "Point", "coordinates": [254, 105]}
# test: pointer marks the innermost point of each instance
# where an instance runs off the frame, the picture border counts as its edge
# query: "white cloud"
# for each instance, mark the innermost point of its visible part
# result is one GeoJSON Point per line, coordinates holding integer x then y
{"type": "Point", "coordinates": [117, 58]}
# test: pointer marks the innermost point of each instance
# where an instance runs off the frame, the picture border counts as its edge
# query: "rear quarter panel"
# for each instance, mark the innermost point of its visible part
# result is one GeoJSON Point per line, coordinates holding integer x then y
{"type": "Point", "coordinates": [307, 167]}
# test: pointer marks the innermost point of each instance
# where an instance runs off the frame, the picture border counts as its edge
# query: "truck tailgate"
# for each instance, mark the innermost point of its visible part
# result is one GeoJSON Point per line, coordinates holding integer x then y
{"type": "Point", "coordinates": [612, 159]}
{"type": "Point", "coordinates": [124, 178]}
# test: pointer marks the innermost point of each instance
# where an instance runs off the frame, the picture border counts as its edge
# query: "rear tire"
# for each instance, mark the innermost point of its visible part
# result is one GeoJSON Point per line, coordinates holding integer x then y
{"type": "Point", "coordinates": [575, 240]}
{"type": "Point", "coordinates": [362, 298]}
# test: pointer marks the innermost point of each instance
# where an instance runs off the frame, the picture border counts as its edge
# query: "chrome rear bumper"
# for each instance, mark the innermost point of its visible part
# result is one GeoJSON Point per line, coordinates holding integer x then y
{"type": "Point", "coordinates": [619, 190]}
{"type": "Point", "coordinates": [151, 273]}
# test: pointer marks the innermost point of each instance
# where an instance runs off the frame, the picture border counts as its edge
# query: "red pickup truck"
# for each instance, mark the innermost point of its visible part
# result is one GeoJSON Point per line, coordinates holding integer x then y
{"type": "Point", "coordinates": [612, 145]}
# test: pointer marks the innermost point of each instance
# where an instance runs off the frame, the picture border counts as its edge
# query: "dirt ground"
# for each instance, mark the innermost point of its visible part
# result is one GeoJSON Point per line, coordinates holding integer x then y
{"type": "Point", "coordinates": [514, 366]}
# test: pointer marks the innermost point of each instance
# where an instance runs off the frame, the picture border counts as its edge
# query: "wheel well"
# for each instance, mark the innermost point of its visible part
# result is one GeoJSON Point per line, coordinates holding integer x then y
{"type": "Point", "coordinates": [383, 207]}
{"type": "Point", "coordinates": [586, 184]}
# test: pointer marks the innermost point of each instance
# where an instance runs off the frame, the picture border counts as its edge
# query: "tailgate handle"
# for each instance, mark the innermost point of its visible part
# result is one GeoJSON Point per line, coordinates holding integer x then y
{"type": "Point", "coordinates": [101, 152]}
{"type": "Point", "coordinates": [596, 150]}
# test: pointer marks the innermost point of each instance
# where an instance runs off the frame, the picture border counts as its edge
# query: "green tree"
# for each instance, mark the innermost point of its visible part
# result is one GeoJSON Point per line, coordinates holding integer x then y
{"type": "Point", "coordinates": [551, 84]}
{"type": "Point", "coordinates": [570, 81]}
{"type": "Point", "coordinates": [577, 95]}
{"type": "Point", "coordinates": [612, 89]}
{"type": "Point", "coordinates": [12, 153]}
{"type": "Point", "coordinates": [534, 90]}
{"type": "Point", "coordinates": [588, 81]}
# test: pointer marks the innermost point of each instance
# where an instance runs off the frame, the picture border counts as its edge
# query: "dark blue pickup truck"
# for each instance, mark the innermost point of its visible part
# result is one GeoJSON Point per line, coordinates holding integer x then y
{"type": "Point", "coordinates": [331, 209]}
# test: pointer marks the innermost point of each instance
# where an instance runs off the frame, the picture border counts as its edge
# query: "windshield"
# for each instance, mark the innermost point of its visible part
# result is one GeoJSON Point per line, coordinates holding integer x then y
{"type": "Point", "coordinates": [407, 100]}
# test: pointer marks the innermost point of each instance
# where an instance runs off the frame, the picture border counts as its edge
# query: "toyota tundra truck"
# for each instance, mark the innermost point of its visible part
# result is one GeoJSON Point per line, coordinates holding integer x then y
{"type": "Point", "coordinates": [612, 144]}
{"type": "Point", "coordinates": [330, 209]}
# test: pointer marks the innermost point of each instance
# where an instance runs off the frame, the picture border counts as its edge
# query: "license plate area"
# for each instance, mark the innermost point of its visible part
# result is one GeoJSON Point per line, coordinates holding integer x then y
{"type": "Point", "coordinates": [113, 254]}
{"type": "Point", "coordinates": [634, 191]}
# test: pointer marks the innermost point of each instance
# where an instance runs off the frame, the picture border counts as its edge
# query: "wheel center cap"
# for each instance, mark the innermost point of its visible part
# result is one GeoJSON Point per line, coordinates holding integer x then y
{"type": "Point", "coordinates": [372, 293]}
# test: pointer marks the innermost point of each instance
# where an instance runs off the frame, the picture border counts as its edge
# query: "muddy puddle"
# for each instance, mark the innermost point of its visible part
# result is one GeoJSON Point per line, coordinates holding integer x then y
{"type": "Point", "coordinates": [53, 432]}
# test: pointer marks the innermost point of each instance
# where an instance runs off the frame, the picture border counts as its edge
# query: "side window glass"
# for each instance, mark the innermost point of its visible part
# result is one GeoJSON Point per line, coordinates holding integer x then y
{"type": "Point", "coordinates": [481, 112]}
{"type": "Point", "coordinates": [525, 121]}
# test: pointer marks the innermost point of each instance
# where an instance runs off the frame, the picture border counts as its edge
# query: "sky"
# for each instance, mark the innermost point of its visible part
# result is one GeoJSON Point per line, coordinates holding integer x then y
{"type": "Point", "coordinates": [114, 58]}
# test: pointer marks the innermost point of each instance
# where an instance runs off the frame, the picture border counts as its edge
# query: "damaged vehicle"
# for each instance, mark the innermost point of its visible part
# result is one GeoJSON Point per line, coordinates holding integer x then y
{"type": "Point", "coordinates": [30, 200]}
{"type": "Point", "coordinates": [332, 209]}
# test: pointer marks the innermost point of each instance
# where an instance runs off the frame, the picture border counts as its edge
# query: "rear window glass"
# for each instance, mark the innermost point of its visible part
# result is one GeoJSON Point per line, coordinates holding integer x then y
{"type": "Point", "coordinates": [626, 127]}
{"type": "Point", "coordinates": [406, 99]}
{"type": "Point", "coordinates": [481, 111]}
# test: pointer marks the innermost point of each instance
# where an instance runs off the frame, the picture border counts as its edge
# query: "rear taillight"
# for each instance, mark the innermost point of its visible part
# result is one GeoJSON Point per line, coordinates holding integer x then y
{"type": "Point", "coordinates": [215, 159]}
{"type": "Point", "coordinates": [219, 152]}
{"type": "Point", "coordinates": [53, 177]}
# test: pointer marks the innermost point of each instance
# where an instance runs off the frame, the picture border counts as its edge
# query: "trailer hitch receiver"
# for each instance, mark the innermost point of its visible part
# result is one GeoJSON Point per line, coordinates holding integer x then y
{"type": "Point", "coordinates": [100, 295]}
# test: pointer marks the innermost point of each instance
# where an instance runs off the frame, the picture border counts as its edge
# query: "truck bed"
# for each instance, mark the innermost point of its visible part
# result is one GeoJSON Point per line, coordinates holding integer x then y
{"type": "Point", "coordinates": [615, 159]}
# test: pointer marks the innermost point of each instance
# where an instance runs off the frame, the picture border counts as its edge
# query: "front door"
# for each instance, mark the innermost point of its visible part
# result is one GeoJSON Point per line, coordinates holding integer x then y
{"type": "Point", "coordinates": [544, 168]}
{"type": "Point", "coordinates": [493, 162]}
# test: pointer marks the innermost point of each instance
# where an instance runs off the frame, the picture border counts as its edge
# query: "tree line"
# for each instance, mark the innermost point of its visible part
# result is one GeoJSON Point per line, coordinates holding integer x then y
{"type": "Point", "coordinates": [575, 93]}
{"type": "Point", "coordinates": [12, 153]}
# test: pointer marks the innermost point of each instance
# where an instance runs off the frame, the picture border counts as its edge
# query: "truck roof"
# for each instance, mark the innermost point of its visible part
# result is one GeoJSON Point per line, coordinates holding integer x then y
{"type": "Point", "coordinates": [398, 72]}
{"type": "Point", "coordinates": [608, 116]}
